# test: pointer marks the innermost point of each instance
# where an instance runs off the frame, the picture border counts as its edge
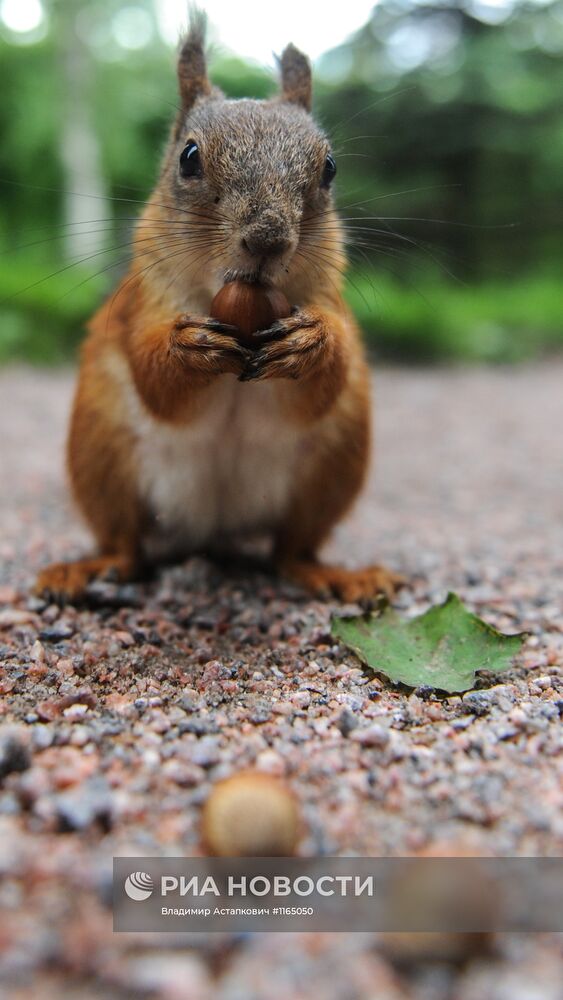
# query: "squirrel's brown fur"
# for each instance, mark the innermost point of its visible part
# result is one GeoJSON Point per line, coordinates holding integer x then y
{"type": "Point", "coordinates": [180, 436]}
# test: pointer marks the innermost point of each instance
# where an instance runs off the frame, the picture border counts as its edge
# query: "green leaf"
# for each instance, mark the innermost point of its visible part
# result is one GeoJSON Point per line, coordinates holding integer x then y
{"type": "Point", "coordinates": [443, 648]}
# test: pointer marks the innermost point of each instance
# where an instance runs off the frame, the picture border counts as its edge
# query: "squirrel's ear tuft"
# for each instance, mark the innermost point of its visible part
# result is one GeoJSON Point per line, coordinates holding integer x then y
{"type": "Point", "coordinates": [192, 67]}
{"type": "Point", "coordinates": [295, 77]}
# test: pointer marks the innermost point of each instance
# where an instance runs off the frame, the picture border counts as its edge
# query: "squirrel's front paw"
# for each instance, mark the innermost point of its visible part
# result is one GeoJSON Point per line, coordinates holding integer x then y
{"type": "Point", "coordinates": [208, 346]}
{"type": "Point", "coordinates": [291, 348]}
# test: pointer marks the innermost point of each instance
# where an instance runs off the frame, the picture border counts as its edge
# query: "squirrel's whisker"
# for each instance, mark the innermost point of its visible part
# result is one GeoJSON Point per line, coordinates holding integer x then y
{"type": "Point", "coordinates": [321, 270]}
{"type": "Point", "coordinates": [357, 138]}
{"type": "Point", "coordinates": [185, 270]}
{"type": "Point", "coordinates": [83, 260]}
{"type": "Point", "coordinates": [424, 247]}
{"type": "Point", "coordinates": [116, 219]}
{"type": "Point", "coordinates": [184, 210]}
{"type": "Point", "coordinates": [112, 265]}
{"type": "Point", "coordinates": [142, 271]}
{"type": "Point", "coordinates": [86, 232]}
{"type": "Point", "coordinates": [135, 275]}
{"type": "Point", "coordinates": [370, 107]}
{"type": "Point", "coordinates": [396, 194]}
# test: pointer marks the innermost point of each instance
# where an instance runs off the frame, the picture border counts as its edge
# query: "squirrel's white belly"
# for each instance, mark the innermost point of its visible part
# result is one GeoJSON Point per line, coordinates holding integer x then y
{"type": "Point", "coordinates": [229, 472]}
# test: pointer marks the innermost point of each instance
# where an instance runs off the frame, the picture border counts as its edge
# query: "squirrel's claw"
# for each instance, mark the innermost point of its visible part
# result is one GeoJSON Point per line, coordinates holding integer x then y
{"type": "Point", "coordinates": [254, 368]}
{"type": "Point", "coordinates": [208, 347]}
{"type": "Point", "coordinates": [209, 323]}
{"type": "Point", "coordinates": [289, 349]}
{"type": "Point", "coordinates": [258, 367]}
{"type": "Point", "coordinates": [218, 327]}
{"type": "Point", "coordinates": [274, 332]}
{"type": "Point", "coordinates": [251, 371]}
{"type": "Point", "coordinates": [297, 321]}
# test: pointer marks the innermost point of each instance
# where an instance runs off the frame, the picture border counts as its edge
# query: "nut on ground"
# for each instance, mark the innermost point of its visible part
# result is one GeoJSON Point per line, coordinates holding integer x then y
{"type": "Point", "coordinates": [250, 814]}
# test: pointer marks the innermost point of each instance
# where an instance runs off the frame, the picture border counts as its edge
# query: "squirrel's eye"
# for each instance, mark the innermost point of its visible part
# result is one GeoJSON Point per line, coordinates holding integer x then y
{"type": "Point", "coordinates": [329, 171]}
{"type": "Point", "coordinates": [190, 163]}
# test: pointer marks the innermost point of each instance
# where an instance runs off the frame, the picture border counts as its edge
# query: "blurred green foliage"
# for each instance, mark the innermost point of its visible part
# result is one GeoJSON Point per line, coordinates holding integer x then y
{"type": "Point", "coordinates": [448, 133]}
{"type": "Point", "coordinates": [442, 321]}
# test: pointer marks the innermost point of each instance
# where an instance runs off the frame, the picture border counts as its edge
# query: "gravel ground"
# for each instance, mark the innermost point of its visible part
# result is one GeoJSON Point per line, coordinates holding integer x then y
{"type": "Point", "coordinates": [118, 717]}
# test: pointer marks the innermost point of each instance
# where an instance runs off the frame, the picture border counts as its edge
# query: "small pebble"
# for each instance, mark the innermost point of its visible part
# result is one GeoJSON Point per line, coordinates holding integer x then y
{"type": "Point", "coordinates": [56, 633]}
{"type": "Point", "coordinates": [371, 736]}
{"type": "Point", "coordinates": [14, 751]}
{"type": "Point", "coordinates": [346, 722]}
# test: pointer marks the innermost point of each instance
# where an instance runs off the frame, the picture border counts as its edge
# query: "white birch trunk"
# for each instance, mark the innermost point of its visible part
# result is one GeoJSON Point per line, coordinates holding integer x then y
{"type": "Point", "coordinates": [85, 198]}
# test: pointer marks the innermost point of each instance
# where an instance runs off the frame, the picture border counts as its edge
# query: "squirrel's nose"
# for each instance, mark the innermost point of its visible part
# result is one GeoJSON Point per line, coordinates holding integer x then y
{"type": "Point", "coordinates": [265, 244]}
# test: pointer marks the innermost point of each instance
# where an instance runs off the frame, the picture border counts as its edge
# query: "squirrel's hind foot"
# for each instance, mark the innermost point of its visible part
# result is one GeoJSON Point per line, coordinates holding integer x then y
{"type": "Point", "coordinates": [67, 582]}
{"type": "Point", "coordinates": [350, 585]}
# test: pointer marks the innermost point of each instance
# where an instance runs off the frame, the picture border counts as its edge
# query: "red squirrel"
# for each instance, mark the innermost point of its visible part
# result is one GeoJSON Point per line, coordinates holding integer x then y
{"type": "Point", "coordinates": [182, 434]}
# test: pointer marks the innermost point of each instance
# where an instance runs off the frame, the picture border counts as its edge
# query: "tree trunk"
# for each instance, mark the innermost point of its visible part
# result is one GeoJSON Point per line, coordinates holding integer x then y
{"type": "Point", "coordinates": [85, 197]}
